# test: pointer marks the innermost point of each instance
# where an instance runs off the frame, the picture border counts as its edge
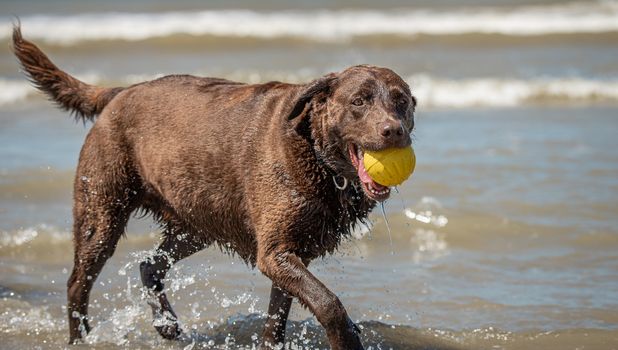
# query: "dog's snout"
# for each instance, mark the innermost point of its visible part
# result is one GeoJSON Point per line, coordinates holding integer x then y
{"type": "Point", "coordinates": [390, 128]}
{"type": "Point", "coordinates": [392, 131]}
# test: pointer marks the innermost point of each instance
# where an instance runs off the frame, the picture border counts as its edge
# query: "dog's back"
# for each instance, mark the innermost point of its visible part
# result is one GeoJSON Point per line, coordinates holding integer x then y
{"type": "Point", "coordinates": [186, 146]}
{"type": "Point", "coordinates": [198, 147]}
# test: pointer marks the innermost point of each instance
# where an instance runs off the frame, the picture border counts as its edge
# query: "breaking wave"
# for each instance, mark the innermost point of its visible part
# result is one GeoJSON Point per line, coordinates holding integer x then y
{"type": "Point", "coordinates": [324, 25]}
{"type": "Point", "coordinates": [496, 92]}
{"type": "Point", "coordinates": [44, 234]}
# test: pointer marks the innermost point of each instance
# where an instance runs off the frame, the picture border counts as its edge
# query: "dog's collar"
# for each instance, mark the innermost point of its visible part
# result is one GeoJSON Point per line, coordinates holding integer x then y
{"type": "Point", "coordinates": [341, 182]}
{"type": "Point", "coordinates": [336, 182]}
{"type": "Point", "coordinates": [305, 132]}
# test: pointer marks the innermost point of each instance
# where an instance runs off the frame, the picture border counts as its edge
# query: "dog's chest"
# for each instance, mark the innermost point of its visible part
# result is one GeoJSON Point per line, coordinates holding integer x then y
{"type": "Point", "coordinates": [327, 218]}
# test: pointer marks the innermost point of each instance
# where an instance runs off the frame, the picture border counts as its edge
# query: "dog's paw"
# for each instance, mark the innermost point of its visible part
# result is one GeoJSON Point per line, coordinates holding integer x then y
{"type": "Point", "coordinates": [170, 332]}
{"type": "Point", "coordinates": [167, 326]}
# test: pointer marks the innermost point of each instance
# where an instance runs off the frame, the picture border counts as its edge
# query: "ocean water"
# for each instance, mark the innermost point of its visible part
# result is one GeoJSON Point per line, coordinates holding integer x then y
{"type": "Point", "coordinates": [505, 237]}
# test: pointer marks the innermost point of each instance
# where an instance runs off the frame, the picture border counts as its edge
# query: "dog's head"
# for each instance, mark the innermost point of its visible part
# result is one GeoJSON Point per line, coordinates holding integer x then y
{"type": "Point", "coordinates": [362, 108]}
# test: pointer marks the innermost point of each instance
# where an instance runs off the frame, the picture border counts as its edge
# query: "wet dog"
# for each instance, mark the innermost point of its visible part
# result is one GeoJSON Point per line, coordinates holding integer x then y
{"type": "Point", "coordinates": [271, 172]}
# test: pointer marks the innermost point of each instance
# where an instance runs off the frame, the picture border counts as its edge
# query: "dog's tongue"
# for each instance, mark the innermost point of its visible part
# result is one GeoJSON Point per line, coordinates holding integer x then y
{"type": "Point", "coordinates": [365, 178]}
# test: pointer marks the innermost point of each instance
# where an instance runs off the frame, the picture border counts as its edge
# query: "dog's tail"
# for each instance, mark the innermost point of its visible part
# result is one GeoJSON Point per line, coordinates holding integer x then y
{"type": "Point", "coordinates": [86, 101]}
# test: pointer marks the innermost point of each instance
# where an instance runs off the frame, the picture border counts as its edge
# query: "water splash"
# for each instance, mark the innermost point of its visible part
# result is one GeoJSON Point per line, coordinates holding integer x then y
{"type": "Point", "coordinates": [25, 316]}
{"type": "Point", "coordinates": [362, 229]}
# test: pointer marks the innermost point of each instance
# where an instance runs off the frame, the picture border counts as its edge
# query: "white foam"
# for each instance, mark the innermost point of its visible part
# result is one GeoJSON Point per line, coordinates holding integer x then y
{"type": "Point", "coordinates": [40, 234]}
{"type": "Point", "coordinates": [17, 90]}
{"type": "Point", "coordinates": [14, 90]}
{"type": "Point", "coordinates": [496, 92]}
{"type": "Point", "coordinates": [327, 25]}
{"type": "Point", "coordinates": [14, 239]}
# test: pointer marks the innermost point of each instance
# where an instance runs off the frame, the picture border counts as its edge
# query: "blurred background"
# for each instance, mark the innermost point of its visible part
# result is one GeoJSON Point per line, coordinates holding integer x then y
{"type": "Point", "coordinates": [505, 237]}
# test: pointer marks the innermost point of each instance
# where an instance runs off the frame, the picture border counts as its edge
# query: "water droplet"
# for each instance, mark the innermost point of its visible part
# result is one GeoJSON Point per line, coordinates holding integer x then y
{"type": "Point", "coordinates": [388, 227]}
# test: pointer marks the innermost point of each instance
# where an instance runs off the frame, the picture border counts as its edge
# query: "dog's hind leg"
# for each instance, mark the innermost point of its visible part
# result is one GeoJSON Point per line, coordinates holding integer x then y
{"type": "Point", "coordinates": [175, 246]}
{"type": "Point", "coordinates": [106, 191]}
{"type": "Point", "coordinates": [100, 220]}
{"type": "Point", "coordinates": [278, 311]}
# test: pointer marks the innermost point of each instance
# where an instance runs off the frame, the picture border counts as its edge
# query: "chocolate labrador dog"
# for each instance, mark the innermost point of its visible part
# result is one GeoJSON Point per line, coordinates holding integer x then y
{"type": "Point", "coordinates": [271, 172]}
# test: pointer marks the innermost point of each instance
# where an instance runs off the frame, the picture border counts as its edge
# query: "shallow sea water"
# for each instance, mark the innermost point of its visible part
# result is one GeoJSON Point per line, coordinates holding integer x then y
{"type": "Point", "coordinates": [505, 237]}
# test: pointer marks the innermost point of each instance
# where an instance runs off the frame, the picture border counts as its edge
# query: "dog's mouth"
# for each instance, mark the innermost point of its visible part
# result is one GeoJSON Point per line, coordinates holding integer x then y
{"type": "Point", "coordinates": [372, 189]}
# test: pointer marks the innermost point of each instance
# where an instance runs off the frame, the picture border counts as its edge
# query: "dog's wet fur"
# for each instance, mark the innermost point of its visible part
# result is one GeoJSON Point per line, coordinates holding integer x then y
{"type": "Point", "coordinates": [251, 168]}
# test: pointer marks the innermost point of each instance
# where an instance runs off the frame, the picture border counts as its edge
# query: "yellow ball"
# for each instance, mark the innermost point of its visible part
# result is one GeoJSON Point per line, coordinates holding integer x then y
{"type": "Point", "coordinates": [390, 167]}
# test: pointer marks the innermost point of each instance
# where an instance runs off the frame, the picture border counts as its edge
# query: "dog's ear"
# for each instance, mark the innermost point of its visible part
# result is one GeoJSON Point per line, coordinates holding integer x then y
{"type": "Point", "coordinates": [320, 88]}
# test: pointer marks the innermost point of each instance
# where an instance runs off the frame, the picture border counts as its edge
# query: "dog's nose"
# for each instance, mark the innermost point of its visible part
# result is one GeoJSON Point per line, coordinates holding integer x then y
{"type": "Point", "coordinates": [391, 130]}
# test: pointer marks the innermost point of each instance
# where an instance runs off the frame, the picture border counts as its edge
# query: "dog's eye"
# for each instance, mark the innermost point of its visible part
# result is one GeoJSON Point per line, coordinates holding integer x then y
{"type": "Point", "coordinates": [402, 102]}
{"type": "Point", "coordinates": [358, 101]}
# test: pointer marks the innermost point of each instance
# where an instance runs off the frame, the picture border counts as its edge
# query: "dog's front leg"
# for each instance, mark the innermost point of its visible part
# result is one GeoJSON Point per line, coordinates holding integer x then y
{"type": "Point", "coordinates": [287, 271]}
